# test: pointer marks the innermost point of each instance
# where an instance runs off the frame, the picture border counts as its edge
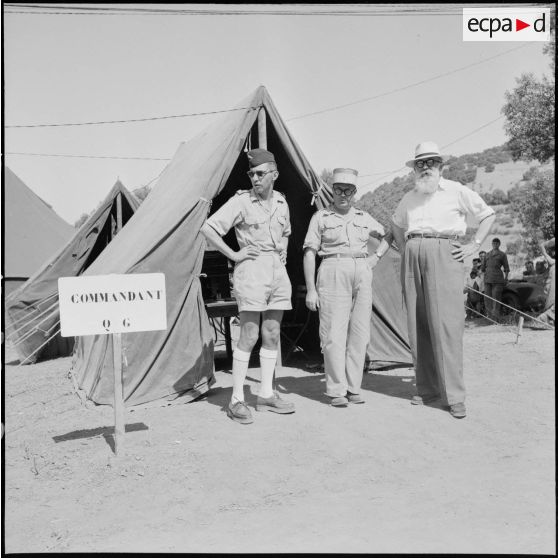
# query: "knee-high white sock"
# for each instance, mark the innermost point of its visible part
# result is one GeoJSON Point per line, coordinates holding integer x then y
{"type": "Point", "coordinates": [239, 371]}
{"type": "Point", "coordinates": [268, 359]}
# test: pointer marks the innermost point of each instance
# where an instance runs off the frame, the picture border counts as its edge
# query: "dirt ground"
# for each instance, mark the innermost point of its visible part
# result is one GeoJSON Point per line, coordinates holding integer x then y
{"type": "Point", "coordinates": [380, 477]}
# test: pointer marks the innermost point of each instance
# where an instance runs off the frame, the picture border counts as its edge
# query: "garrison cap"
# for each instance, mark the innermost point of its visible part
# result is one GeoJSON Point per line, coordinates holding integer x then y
{"type": "Point", "coordinates": [257, 157]}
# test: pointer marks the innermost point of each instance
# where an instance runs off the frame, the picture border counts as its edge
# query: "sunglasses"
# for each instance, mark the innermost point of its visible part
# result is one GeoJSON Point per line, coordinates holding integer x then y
{"type": "Point", "coordinates": [428, 163]}
{"type": "Point", "coordinates": [259, 174]}
{"type": "Point", "coordinates": [346, 192]}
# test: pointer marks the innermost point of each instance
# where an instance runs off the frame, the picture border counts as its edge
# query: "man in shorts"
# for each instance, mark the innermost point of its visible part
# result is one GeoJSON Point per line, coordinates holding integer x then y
{"type": "Point", "coordinates": [261, 286]}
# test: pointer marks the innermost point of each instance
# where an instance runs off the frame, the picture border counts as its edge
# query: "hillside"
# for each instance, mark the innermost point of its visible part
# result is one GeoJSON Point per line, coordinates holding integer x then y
{"type": "Point", "coordinates": [491, 173]}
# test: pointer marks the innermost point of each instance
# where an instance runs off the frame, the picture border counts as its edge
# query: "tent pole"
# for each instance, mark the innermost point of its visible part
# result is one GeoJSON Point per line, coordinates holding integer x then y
{"type": "Point", "coordinates": [118, 393]}
{"type": "Point", "coordinates": [118, 212]}
{"type": "Point", "coordinates": [262, 131]}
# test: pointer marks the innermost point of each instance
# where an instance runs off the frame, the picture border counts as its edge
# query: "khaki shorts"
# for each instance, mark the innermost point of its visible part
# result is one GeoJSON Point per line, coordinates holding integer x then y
{"type": "Point", "coordinates": [262, 284]}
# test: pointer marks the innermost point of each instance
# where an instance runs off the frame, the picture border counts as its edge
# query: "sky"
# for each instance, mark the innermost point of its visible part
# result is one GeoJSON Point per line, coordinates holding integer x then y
{"type": "Point", "coordinates": [64, 68]}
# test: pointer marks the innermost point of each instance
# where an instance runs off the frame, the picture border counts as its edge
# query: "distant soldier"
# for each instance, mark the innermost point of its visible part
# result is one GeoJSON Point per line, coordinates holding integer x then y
{"type": "Point", "coordinates": [496, 270]}
{"type": "Point", "coordinates": [343, 293]}
{"type": "Point", "coordinates": [260, 217]}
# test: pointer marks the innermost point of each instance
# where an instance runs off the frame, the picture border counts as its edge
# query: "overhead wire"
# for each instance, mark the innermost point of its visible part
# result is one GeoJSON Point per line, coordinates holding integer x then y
{"type": "Point", "coordinates": [442, 147]}
{"type": "Point", "coordinates": [292, 9]}
{"type": "Point", "coordinates": [87, 156]}
{"type": "Point", "coordinates": [330, 109]}
{"type": "Point", "coordinates": [409, 86]}
{"type": "Point", "coordinates": [125, 121]}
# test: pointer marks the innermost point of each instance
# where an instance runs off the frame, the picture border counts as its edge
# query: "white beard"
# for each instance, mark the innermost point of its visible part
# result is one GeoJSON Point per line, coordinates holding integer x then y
{"type": "Point", "coordinates": [426, 184]}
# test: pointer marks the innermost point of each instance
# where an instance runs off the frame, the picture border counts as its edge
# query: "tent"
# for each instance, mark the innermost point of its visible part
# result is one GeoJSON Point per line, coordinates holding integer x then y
{"type": "Point", "coordinates": [33, 232]}
{"type": "Point", "coordinates": [163, 236]}
{"type": "Point", "coordinates": [32, 310]}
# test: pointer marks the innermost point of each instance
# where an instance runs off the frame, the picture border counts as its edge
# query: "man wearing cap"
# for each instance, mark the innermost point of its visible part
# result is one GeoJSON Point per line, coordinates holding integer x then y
{"type": "Point", "coordinates": [343, 291]}
{"type": "Point", "coordinates": [426, 226]}
{"type": "Point", "coordinates": [261, 286]}
{"type": "Point", "coordinates": [495, 267]}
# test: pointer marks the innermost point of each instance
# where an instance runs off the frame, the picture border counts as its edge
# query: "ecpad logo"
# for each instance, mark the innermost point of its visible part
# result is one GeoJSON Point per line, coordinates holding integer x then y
{"type": "Point", "coordinates": [506, 24]}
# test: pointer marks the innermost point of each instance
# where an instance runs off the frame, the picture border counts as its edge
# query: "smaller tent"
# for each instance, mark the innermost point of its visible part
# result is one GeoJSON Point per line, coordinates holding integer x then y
{"type": "Point", "coordinates": [33, 231]}
{"type": "Point", "coordinates": [32, 310]}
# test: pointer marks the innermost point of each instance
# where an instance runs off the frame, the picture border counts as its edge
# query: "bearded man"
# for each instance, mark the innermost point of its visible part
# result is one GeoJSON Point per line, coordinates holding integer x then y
{"type": "Point", "coordinates": [427, 225]}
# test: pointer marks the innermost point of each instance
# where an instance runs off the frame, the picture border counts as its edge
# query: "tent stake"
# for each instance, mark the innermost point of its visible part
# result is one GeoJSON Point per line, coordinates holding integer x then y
{"type": "Point", "coordinates": [118, 393]}
{"type": "Point", "coordinates": [519, 329]}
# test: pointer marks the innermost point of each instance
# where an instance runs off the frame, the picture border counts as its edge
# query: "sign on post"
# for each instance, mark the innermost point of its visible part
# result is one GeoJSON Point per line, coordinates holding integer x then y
{"type": "Point", "coordinates": [113, 304]}
{"type": "Point", "coordinates": [101, 304]}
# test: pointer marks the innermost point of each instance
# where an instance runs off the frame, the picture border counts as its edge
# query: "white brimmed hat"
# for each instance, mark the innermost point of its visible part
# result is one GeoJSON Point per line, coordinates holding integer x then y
{"type": "Point", "coordinates": [426, 150]}
{"type": "Point", "coordinates": [345, 176]}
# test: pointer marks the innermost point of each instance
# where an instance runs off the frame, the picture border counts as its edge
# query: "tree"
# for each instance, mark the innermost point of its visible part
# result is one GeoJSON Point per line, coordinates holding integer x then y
{"type": "Point", "coordinates": [327, 176]}
{"type": "Point", "coordinates": [81, 220]}
{"type": "Point", "coordinates": [529, 113]}
{"type": "Point", "coordinates": [142, 192]}
{"type": "Point", "coordinates": [499, 197]}
{"type": "Point", "coordinates": [534, 205]}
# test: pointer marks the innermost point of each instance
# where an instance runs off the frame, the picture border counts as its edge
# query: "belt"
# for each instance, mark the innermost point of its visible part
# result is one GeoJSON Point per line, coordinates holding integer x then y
{"type": "Point", "coordinates": [344, 256]}
{"type": "Point", "coordinates": [434, 235]}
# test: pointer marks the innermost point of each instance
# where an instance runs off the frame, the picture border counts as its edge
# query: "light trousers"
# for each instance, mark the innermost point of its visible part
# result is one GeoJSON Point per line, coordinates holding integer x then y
{"type": "Point", "coordinates": [433, 292]}
{"type": "Point", "coordinates": [345, 295]}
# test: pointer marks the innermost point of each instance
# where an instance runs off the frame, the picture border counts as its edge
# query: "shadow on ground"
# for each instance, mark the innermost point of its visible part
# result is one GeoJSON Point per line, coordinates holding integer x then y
{"type": "Point", "coordinates": [107, 432]}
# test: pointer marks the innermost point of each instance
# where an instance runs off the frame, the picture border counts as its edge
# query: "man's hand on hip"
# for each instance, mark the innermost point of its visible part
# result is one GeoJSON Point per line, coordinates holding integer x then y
{"type": "Point", "coordinates": [246, 253]}
{"type": "Point", "coordinates": [462, 251]}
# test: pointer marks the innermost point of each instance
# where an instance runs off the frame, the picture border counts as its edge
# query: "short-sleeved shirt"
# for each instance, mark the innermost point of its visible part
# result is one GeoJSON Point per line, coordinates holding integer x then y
{"type": "Point", "coordinates": [442, 212]}
{"type": "Point", "coordinates": [254, 224]}
{"type": "Point", "coordinates": [494, 262]}
{"type": "Point", "coordinates": [332, 233]}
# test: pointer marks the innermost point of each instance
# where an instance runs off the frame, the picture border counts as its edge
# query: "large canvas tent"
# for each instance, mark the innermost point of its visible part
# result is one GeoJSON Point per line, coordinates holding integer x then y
{"type": "Point", "coordinates": [163, 236]}
{"type": "Point", "coordinates": [32, 310]}
{"type": "Point", "coordinates": [33, 231]}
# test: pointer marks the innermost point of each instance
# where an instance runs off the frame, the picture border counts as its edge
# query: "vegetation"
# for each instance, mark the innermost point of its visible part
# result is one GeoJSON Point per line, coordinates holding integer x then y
{"type": "Point", "coordinates": [533, 203]}
{"type": "Point", "coordinates": [529, 111]}
{"type": "Point", "coordinates": [381, 203]}
{"type": "Point", "coordinates": [530, 117]}
{"type": "Point", "coordinates": [83, 217]}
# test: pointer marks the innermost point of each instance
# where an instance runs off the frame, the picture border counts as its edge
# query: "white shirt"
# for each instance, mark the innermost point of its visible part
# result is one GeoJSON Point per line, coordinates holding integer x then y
{"type": "Point", "coordinates": [442, 212]}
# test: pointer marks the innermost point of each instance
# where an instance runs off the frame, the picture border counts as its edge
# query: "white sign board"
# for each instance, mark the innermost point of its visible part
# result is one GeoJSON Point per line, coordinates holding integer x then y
{"type": "Point", "coordinates": [102, 304]}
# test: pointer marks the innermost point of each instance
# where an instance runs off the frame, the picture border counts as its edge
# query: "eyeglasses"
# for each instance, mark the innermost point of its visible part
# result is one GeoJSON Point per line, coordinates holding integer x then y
{"type": "Point", "coordinates": [259, 174]}
{"type": "Point", "coordinates": [428, 162]}
{"type": "Point", "coordinates": [346, 192]}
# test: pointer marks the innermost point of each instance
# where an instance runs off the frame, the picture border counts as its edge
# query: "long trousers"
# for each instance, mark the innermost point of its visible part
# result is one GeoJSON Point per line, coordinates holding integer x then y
{"type": "Point", "coordinates": [433, 293]}
{"type": "Point", "coordinates": [345, 294]}
{"type": "Point", "coordinates": [495, 291]}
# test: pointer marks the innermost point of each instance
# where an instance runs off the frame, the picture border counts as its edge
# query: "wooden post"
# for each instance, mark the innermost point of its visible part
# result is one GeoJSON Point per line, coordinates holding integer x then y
{"type": "Point", "coordinates": [118, 393]}
{"type": "Point", "coordinates": [118, 212]}
{"type": "Point", "coordinates": [262, 130]}
{"type": "Point", "coordinates": [519, 329]}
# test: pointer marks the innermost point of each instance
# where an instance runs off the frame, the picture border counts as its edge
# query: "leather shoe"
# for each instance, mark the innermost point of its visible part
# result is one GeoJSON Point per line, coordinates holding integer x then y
{"type": "Point", "coordinates": [423, 399]}
{"type": "Point", "coordinates": [239, 412]}
{"type": "Point", "coordinates": [339, 402]}
{"type": "Point", "coordinates": [355, 398]}
{"type": "Point", "coordinates": [274, 404]}
{"type": "Point", "coordinates": [457, 410]}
